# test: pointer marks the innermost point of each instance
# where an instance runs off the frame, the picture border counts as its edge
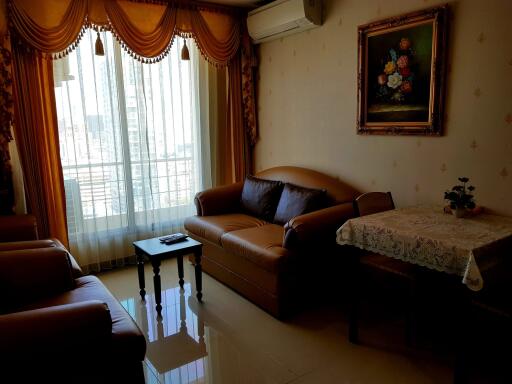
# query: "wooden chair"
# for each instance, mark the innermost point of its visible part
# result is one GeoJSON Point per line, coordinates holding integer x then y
{"type": "Point", "coordinates": [373, 202]}
{"type": "Point", "coordinates": [367, 204]}
{"type": "Point", "coordinates": [490, 316]}
{"type": "Point", "coordinates": [494, 300]}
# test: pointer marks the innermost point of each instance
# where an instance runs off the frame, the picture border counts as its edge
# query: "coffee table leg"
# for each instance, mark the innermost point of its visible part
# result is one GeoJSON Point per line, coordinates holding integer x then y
{"type": "Point", "coordinates": [140, 270]}
{"type": "Point", "coordinates": [180, 271]}
{"type": "Point", "coordinates": [199, 275]}
{"type": "Point", "coordinates": [158, 286]}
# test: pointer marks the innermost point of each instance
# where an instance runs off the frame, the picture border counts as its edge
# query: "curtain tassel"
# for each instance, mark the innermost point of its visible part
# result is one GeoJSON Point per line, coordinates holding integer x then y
{"type": "Point", "coordinates": [99, 46]}
{"type": "Point", "coordinates": [185, 54]}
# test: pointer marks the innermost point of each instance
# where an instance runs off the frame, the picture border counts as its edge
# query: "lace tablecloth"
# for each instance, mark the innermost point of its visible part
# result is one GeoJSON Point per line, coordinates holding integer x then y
{"type": "Point", "coordinates": [428, 237]}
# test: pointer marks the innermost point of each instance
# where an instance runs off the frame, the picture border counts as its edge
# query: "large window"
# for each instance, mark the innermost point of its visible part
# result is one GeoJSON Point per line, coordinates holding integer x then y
{"type": "Point", "coordinates": [129, 142]}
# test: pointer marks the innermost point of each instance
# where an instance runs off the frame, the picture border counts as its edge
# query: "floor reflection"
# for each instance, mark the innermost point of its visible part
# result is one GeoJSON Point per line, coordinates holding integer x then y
{"type": "Point", "coordinates": [182, 349]}
{"type": "Point", "coordinates": [228, 340]}
{"type": "Point", "coordinates": [176, 347]}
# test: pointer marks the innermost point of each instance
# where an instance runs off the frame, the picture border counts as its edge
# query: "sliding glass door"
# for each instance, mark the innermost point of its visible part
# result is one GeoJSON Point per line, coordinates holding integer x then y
{"type": "Point", "coordinates": [130, 146]}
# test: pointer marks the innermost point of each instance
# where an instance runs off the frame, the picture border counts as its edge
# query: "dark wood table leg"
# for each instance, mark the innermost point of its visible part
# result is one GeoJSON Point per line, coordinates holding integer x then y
{"type": "Point", "coordinates": [143, 316]}
{"type": "Point", "coordinates": [183, 314]}
{"type": "Point", "coordinates": [157, 283]}
{"type": "Point", "coordinates": [199, 275]}
{"type": "Point", "coordinates": [180, 271]}
{"type": "Point", "coordinates": [410, 324]}
{"type": "Point", "coordinates": [462, 317]}
{"type": "Point", "coordinates": [353, 328]}
{"type": "Point", "coordinates": [200, 331]}
{"type": "Point", "coordinates": [159, 328]}
{"type": "Point", "coordinates": [140, 270]}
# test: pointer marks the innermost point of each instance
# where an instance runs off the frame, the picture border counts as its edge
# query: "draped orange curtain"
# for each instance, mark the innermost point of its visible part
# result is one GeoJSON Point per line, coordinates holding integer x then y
{"type": "Point", "coordinates": [6, 118]}
{"type": "Point", "coordinates": [41, 30]}
{"type": "Point", "coordinates": [38, 142]}
{"type": "Point", "coordinates": [237, 157]}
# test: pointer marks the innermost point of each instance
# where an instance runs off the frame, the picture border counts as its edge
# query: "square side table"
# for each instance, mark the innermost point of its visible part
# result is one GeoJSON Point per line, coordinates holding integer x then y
{"type": "Point", "coordinates": [156, 251]}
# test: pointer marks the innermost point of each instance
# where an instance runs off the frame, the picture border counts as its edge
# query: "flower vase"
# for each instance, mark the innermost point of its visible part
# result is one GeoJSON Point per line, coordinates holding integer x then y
{"type": "Point", "coordinates": [459, 212]}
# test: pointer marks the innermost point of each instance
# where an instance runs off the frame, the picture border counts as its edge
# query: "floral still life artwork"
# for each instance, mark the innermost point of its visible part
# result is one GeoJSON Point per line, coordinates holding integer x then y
{"type": "Point", "coordinates": [401, 88]}
{"type": "Point", "coordinates": [401, 74]}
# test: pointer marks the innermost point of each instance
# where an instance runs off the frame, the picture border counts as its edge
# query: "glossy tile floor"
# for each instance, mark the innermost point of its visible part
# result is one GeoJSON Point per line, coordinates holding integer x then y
{"type": "Point", "coordinates": [227, 339]}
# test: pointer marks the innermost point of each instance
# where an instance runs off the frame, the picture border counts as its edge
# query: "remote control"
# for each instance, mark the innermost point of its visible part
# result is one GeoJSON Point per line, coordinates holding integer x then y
{"type": "Point", "coordinates": [170, 237]}
{"type": "Point", "coordinates": [174, 238]}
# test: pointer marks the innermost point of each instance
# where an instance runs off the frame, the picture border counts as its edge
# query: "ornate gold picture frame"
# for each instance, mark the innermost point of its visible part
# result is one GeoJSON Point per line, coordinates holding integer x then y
{"type": "Point", "coordinates": [401, 74]}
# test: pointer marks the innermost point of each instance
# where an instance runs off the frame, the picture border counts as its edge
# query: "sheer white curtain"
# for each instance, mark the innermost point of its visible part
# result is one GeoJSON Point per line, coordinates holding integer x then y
{"type": "Point", "coordinates": [131, 147]}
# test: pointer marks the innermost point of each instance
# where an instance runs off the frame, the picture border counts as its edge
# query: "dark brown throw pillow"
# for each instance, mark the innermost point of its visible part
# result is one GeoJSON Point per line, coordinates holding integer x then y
{"type": "Point", "coordinates": [260, 197]}
{"type": "Point", "coordinates": [296, 201]}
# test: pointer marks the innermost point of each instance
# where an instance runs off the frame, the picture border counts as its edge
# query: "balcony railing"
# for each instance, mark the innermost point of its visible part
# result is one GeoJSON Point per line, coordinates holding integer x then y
{"type": "Point", "coordinates": [97, 193]}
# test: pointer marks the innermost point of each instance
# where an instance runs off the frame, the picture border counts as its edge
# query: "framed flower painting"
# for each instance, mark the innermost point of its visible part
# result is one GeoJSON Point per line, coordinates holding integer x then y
{"type": "Point", "coordinates": [401, 74]}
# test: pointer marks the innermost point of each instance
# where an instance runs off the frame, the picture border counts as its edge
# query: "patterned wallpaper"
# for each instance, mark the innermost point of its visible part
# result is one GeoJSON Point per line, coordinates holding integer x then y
{"type": "Point", "coordinates": [307, 106]}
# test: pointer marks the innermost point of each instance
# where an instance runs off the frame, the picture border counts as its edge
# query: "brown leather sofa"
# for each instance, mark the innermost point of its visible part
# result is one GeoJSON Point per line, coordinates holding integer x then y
{"type": "Point", "coordinates": [270, 264]}
{"type": "Point", "coordinates": [60, 325]}
{"type": "Point", "coordinates": [18, 228]}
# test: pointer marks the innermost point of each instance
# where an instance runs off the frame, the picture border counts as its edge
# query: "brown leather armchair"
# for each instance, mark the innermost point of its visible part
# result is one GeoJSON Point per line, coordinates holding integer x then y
{"type": "Point", "coordinates": [60, 325]}
{"type": "Point", "coordinates": [272, 265]}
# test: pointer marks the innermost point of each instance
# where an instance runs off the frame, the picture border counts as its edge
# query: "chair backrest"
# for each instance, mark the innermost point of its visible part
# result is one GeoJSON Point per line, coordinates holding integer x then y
{"type": "Point", "coordinates": [373, 202]}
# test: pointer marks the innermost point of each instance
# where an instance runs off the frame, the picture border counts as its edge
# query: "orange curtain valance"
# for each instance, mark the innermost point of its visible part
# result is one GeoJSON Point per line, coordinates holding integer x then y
{"type": "Point", "coordinates": [49, 39]}
{"type": "Point", "coordinates": [154, 43]}
{"type": "Point", "coordinates": [145, 30]}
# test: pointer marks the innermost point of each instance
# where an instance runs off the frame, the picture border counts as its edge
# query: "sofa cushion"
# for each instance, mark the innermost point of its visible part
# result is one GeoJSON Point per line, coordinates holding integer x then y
{"type": "Point", "coordinates": [213, 227]}
{"type": "Point", "coordinates": [296, 201]}
{"type": "Point", "coordinates": [128, 342]}
{"type": "Point", "coordinates": [217, 258]}
{"type": "Point", "coordinates": [260, 197]}
{"type": "Point", "coordinates": [261, 245]}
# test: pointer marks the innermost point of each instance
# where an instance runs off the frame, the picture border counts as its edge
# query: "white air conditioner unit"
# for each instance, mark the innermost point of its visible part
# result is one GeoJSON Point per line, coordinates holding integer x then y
{"type": "Point", "coordinates": [74, 211]}
{"type": "Point", "coordinates": [283, 17]}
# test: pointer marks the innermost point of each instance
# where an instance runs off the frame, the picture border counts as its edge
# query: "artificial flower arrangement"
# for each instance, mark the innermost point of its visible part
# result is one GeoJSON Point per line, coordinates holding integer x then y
{"type": "Point", "coordinates": [395, 83]}
{"type": "Point", "coordinates": [461, 199]}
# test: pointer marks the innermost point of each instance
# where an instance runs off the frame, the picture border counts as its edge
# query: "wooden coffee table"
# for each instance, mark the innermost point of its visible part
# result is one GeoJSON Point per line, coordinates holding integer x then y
{"type": "Point", "coordinates": [156, 252]}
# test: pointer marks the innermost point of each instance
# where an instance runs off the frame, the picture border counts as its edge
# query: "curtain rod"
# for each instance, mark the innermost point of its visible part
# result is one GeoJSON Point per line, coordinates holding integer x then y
{"type": "Point", "coordinates": [197, 4]}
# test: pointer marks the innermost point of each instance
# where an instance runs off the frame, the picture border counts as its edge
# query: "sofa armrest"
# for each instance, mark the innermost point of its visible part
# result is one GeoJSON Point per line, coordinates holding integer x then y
{"type": "Point", "coordinates": [29, 274]}
{"type": "Point", "coordinates": [29, 244]}
{"type": "Point", "coordinates": [219, 200]}
{"type": "Point", "coordinates": [63, 329]}
{"type": "Point", "coordinates": [316, 226]}
{"type": "Point", "coordinates": [18, 228]}
{"type": "Point", "coordinates": [47, 243]}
